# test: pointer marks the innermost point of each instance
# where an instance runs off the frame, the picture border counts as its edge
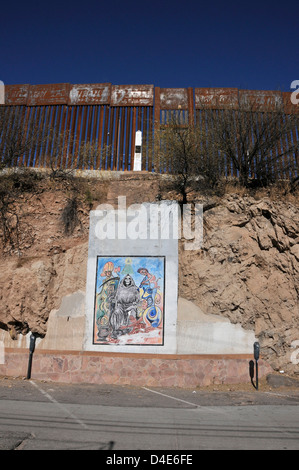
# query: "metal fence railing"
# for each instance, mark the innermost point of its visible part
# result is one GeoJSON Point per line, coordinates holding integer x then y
{"type": "Point", "coordinates": [93, 126]}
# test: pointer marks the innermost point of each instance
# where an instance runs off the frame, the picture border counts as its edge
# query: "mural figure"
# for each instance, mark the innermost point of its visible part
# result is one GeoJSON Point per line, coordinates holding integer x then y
{"type": "Point", "coordinates": [127, 299]}
{"type": "Point", "coordinates": [129, 310]}
{"type": "Point", "coordinates": [128, 267]}
{"type": "Point", "coordinates": [152, 314]}
{"type": "Point", "coordinates": [105, 299]}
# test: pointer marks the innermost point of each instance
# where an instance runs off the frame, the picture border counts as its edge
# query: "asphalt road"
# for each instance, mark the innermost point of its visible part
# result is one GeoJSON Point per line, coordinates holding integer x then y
{"type": "Point", "coordinates": [46, 416]}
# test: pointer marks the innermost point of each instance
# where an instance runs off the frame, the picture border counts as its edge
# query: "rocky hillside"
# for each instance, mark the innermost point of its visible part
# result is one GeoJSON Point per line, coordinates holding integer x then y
{"type": "Point", "coordinates": [247, 270]}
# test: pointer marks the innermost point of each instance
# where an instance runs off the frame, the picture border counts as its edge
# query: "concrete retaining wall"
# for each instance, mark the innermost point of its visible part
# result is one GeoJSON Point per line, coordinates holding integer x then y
{"type": "Point", "coordinates": [188, 371]}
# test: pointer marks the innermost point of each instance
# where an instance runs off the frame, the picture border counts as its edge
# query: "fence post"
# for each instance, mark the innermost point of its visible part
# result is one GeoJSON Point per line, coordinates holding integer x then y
{"type": "Point", "coordinates": [157, 107]}
{"type": "Point", "coordinates": [190, 107]}
{"type": "Point", "coordinates": [156, 121]}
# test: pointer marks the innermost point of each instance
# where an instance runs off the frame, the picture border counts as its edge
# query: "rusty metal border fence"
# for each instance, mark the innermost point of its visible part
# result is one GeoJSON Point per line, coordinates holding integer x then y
{"type": "Point", "coordinates": [99, 121]}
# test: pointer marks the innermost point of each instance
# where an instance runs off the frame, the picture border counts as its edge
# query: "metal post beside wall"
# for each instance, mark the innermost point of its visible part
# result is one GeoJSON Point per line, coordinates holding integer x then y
{"type": "Point", "coordinates": [252, 366]}
{"type": "Point", "coordinates": [31, 351]}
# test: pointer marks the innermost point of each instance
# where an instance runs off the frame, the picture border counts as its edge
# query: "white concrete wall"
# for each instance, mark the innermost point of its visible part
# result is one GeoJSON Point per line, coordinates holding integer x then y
{"type": "Point", "coordinates": [121, 245]}
{"type": "Point", "coordinates": [199, 333]}
{"type": "Point", "coordinates": [196, 332]}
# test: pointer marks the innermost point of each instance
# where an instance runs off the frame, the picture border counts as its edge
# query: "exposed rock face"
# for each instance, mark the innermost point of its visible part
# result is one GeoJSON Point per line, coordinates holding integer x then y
{"type": "Point", "coordinates": [248, 271]}
{"type": "Point", "coordinates": [29, 292]}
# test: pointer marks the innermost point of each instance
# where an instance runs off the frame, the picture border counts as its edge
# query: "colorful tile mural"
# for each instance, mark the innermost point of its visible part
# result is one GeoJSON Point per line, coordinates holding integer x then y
{"type": "Point", "coordinates": [129, 300]}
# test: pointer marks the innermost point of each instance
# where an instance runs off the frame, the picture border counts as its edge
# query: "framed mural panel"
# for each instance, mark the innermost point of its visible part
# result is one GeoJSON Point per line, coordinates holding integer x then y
{"type": "Point", "coordinates": [129, 306]}
{"type": "Point", "coordinates": [132, 283]}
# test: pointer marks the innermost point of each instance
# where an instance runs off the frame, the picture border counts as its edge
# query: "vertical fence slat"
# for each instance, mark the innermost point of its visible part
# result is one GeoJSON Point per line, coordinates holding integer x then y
{"type": "Point", "coordinates": [24, 135]}
{"type": "Point", "coordinates": [71, 144]}
{"type": "Point", "coordinates": [105, 137]}
{"type": "Point", "coordinates": [133, 138]}
{"type": "Point", "coordinates": [93, 137]}
{"type": "Point", "coordinates": [68, 111]}
{"type": "Point", "coordinates": [77, 137]}
{"type": "Point", "coordinates": [144, 163]}
{"type": "Point", "coordinates": [29, 146]}
{"type": "Point", "coordinates": [40, 136]}
{"type": "Point", "coordinates": [45, 136]}
{"type": "Point", "coordinates": [128, 124]}
{"type": "Point", "coordinates": [122, 136]}
{"type": "Point", "coordinates": [57, 135]}
{"type": "Point", "coordinates": [100, 136]}
{"type": "Point", "coordinates": [61, 135]}
{"type": "Point", "coordinates": [150, 140]}
{"type": "Point", "coordinates": [48, 149]}
{"type": "Point", "coordinates": [82, 146]}
{"type": "Point", "coordinates": [115, 148]}
{"type": "Point", "coordinates": [110, 136]}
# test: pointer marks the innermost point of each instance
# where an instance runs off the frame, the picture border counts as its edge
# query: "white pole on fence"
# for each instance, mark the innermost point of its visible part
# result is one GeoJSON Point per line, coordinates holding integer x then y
{"type": "Point", "coordinates": [2, 92]}
{"type": "Point", "coordinates": [138, 151]}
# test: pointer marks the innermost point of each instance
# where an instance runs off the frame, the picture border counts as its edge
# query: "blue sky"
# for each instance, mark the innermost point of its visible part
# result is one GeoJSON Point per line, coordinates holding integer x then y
{"type": "Point", "coordinates": [169, 44]}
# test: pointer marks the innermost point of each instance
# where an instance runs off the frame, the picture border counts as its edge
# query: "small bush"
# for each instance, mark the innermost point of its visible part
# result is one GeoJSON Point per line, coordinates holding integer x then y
{"type": "Point", "coordinates": [69, 216]}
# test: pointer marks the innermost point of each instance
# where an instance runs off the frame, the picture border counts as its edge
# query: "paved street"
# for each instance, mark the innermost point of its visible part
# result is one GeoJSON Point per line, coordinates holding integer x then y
{"type": "Point", "coordinates": [37, 415]}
